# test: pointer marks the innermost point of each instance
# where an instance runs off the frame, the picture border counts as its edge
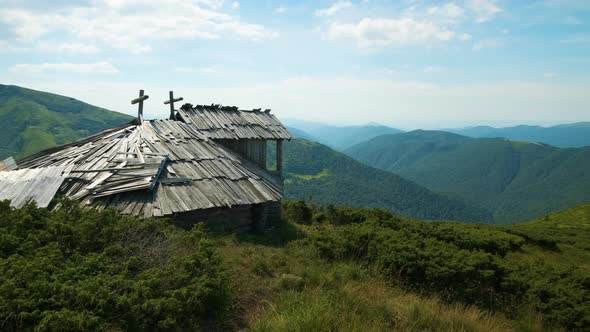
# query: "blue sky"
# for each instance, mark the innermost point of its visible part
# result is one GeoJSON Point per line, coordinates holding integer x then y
{"type": "Point", "coordinates": [408, 64]}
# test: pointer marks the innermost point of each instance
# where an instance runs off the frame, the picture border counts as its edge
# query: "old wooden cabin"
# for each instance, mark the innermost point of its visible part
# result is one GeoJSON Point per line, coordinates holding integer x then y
{"type": "Point", "coordinates": [202, 164]}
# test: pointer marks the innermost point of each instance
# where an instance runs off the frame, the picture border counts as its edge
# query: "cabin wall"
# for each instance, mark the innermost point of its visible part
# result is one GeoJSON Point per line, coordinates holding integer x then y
{"type": "Point", "coordinates": [251, 149]}
{"type": "Point", "coordinates": [242, 218]}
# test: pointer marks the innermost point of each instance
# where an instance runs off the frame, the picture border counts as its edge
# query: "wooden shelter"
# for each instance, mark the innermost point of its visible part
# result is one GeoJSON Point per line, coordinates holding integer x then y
{"type": "Point", "coordinates": [204, 163]}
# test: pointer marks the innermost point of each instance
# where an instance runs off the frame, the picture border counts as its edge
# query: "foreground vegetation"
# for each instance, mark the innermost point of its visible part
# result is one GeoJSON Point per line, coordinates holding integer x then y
{"type": "Point", "coordinates": [81, 270]}
{"type": "Point", "coordinates": [326, 269]}
{"type": "Point", "coordinates": [540, 266]}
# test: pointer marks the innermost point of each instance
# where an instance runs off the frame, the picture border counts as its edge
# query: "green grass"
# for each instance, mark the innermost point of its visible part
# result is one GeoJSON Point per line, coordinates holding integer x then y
{"type": "Point", "coordinates": [282, 285]}
{"type": "Point", "coordinates": [561, 238]}
{"type": "Point", "coordinates": [323, 173]}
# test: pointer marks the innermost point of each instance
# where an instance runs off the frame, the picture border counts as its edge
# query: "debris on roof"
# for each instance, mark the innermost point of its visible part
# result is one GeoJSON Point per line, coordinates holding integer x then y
{"type": "Point", "coordinates": [228, 122]}
{"type": "Point", "coordinates": [39, 185]}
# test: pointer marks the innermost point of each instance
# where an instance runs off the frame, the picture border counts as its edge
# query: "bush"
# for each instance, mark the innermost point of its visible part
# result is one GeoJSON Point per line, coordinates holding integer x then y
{"type": "Point", "coordinates": [76, 269]}
{"type": "Point", "coordinates": [460, 262]}
{"type": "Point", "coordinates": [298, 212]}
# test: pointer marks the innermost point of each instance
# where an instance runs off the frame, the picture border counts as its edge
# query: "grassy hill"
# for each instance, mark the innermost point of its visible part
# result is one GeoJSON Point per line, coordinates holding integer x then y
{"type": "Point", "coordinates": [565, 136]}
{"type": "Point", "coordinates": [34, 120]}
{"type": "Point", "coordinates": [343, 137]}
{"type": "Point", "coordinates": [560, 237]}
{"type": "Point", "coordinates": [329, 177]}
{"type": "Point", "coordinates": [515, 180]}
{"type": "Point", "coordinates": [322, 269]}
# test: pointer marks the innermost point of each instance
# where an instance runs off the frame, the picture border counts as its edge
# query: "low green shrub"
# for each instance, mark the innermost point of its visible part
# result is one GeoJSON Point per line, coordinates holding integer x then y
{"type": "Point", "coordinates": [75, 269]}
{"type": "Point", "coordinates": [298, 212]}
{"type": "Point", "coordinates": [472, 264]}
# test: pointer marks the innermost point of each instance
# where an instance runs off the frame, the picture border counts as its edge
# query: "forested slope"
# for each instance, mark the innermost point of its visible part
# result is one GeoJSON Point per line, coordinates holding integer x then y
{"type": "Point", "coordinates": [515, 180]}
{"type": "Point", "coordinates": [329, 177]}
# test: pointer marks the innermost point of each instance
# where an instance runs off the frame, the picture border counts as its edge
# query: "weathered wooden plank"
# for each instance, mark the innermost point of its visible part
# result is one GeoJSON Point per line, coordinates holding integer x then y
{"type": "Point", "coordinates": [108, 169]}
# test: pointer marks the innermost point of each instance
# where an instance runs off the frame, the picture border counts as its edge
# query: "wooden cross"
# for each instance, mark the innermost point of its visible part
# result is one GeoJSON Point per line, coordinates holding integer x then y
{"type": "Point", "coordinates": [140, 100]}
{"type": "Point", "coordinates": [171, 102]}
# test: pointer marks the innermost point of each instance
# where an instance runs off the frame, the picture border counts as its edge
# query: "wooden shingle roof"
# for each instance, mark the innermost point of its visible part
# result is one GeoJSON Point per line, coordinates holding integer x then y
{"type": "Point", "coordinates": [224, 122]}
{"type": "Point", "coordinates": [155, 168]}
{"type": "Point", "coordinates": [7, 164]}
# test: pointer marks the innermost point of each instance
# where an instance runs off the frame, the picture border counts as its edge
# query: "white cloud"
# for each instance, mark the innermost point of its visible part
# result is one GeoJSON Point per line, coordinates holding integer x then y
{"type": "Point", "coordinates": [133, 24]}
{"type": "Point", "coordinates": [6, 47]}
{"type": "Point", "coordinates": [48, 47]}
{"type": "Point", "coordinates": [70, 48]}
{"type": "Point", "coordinates": [280, 10]}
{"type": "Point", "coordinates": [338, 6]}
{"type": "Point", "coordinates": [210, 70]}
{"type": "Point", "coordinates": [465, 36]}
{"type": "Point", "coordinates": [484, 10]}
{"type": "Point", "coordinates": [486, 43]}
{"type": "Point", "coordinates": [184, 70]}
{"type": "Point", "coordinates": [382, 32]}
{"type": "Point", "coordinates": [448, 11]}
{"type": "Point", "coordinates": [64, 67]}
{"type": "Point", "coordinates": [235, 5]}
{"type": "Point", "coordinates": [25, 25]}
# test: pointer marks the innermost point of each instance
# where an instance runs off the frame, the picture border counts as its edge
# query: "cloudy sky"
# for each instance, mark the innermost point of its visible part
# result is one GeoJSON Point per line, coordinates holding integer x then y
{"type": "Point", "coordinates": [404, 63]}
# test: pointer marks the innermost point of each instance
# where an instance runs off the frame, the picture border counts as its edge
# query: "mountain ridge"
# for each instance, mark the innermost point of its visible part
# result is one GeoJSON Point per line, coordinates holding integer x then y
{"type": "Point", "coordinates": [564, 135]}
{"type": "Point", "coordinates": [342, 137]}
{"type": "Point", "coordinates": [516, 180]}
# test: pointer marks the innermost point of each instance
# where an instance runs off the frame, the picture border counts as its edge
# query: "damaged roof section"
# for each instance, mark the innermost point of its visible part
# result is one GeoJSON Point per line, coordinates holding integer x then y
{"type": "Point", "coordinates": [39, 185]}
{"type": "Point", "coordinates": [227, 122]}
{"type": "Point", "coordinates": [155, 168]}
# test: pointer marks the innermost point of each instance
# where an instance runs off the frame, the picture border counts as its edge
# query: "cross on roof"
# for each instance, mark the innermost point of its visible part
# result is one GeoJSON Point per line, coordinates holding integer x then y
{"type": "Point", "coordinates": [171, 101]}
{"type": "Point", "coordinates": [140, 100]}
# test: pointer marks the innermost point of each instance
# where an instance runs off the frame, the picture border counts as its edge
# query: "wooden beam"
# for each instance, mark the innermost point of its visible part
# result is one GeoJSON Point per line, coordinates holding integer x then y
{"type": "Point", "coordinates": [155, 154]}
{"type": "Point", "coordinates": [110, 169]}
{"type": "Point", "coordinates": [176, 180]}
{"type": "Point", "coordinates": [140, 99]}
{"type": "Point", "coordinates": [157, 176]}
{"type": "Point", "coordinates": [280, 157]}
